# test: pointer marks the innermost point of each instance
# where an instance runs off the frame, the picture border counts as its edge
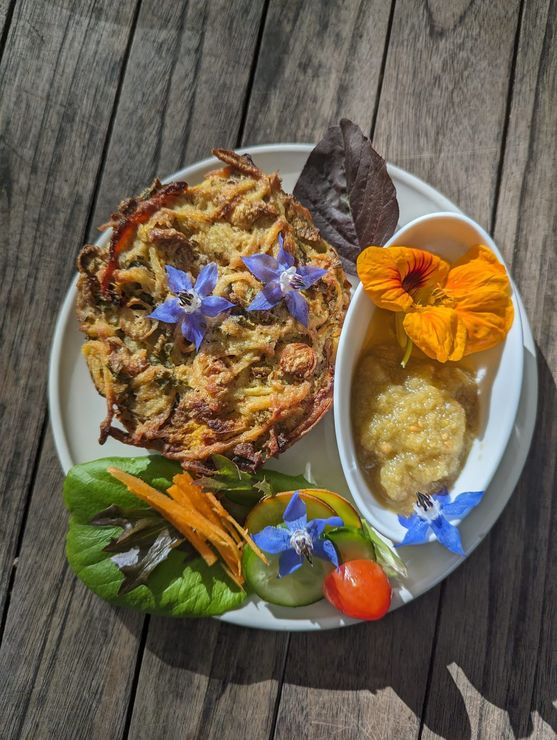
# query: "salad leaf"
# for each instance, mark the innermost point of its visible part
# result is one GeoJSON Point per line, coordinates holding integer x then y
{"type": "Point", "coordinates": [346, 187]}
{"type": "Point", "coordinates": [248, 488]}
{"type": "Point", "coordinates": [146, 541]}
{"type": "Point", "coordinates": [385, 553]}
{"type": "Point", "coordinates": [178, 585]}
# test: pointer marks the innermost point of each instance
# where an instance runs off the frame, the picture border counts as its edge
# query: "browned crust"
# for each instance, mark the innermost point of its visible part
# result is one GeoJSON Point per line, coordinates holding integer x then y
{"type": "Point", "coordinates": [223, 435]}
{"type": "Point", "coordinates": [241, 162]}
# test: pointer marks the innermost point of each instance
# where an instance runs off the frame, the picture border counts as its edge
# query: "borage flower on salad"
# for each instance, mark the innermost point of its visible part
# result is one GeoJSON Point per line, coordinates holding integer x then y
{"type": "Point", "coordinates": [190, 306]}
{"type": "Point", "coordinates": [298, 538]}
{"type": "Point", "coordinates": [282, 281]}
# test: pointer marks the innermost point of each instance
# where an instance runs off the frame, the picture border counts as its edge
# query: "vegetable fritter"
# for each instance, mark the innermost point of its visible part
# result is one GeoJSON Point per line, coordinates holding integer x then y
{"type": "Point", "coordinates": [261, 379]}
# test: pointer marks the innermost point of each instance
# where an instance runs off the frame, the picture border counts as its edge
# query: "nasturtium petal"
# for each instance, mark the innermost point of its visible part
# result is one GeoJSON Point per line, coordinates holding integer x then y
{"type": "Point", "coordinates": [437, 331]}
{"type": "Point", "coordinates": [480, 290]}
{"type": "Point", "coordinates": [396, 278]}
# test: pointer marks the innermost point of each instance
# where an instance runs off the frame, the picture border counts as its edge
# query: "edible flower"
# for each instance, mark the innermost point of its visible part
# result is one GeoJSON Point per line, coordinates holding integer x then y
{"type": "Point", "coordinates": [432, 514]}
{"type": "Point", "coordinates": [448, 311]}
{"type": "Point", "coordinates": [298, 539]}
{"type": "Point", "coordinates": [282, 280]}
{"type": "Point", "coordinates": [191, 306]}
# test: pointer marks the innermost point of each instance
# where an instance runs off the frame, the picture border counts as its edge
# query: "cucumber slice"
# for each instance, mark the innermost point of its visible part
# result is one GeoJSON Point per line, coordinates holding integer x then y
{"type": "Point", "coordinates": [269, 511]}
{"type": "Point", "coordinates": [303, 587]}
{"type": "Point", "coordinates": [351, 544]}
{"type": "Point", "coordinates": [342, 507]}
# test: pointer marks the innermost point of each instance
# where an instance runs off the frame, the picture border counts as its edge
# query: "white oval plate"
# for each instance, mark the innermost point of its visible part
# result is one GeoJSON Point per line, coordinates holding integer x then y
{"type": "Point", "coordinates": [76, 411]}
{"type": "Point", "coordinates": [498, 372]}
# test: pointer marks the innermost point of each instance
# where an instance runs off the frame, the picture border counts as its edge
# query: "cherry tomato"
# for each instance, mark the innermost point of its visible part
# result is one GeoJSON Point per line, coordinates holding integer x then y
{"type": "Point", "coordinates": [360, 589]}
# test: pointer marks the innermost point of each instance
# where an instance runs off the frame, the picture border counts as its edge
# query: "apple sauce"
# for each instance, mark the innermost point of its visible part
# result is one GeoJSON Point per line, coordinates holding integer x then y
{"type": "Point", "coordinates": [413, 426]}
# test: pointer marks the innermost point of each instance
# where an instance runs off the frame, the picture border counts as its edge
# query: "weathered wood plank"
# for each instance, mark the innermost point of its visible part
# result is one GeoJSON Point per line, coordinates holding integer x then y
{"type": "Point", "coordinates": [55, 95]}
{"type": "Point", "coordinates": [319, 61]}
{"type": "Point", "coordinates": [183, 92]}
{"type": "Point", "coordinates": [67, 657]}
{"type": "Point", "coordinates": [364, 682]}
{"type": "Point", "coordinates": [442, 109]}
{"type": "Point", "coordinates": [506, 687]}
{"type": "Point", "coordinates": [429, 120]}
{"type": "Point", "coordinates": [6, 6]}
{"type": "Point", "coordinates": [214, 681]}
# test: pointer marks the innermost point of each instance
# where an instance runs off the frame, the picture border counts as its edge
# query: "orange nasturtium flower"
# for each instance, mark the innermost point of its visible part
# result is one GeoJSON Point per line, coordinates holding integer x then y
{"type": "Point", "coordinates": [448, 311]}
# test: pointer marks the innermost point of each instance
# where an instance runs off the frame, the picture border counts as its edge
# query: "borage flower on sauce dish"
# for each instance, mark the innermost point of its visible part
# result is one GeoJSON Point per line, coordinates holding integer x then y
{"type": "Point", "coordinates": [298, 538]}
{"type": "Point", "coordinates": [191, 306]}
{"type": "Point", "coordinates": [432, 514]}
{"type": "Point", "coordinates": [448, 311]}
{"type": "Point", "coordinates": [282, 281]}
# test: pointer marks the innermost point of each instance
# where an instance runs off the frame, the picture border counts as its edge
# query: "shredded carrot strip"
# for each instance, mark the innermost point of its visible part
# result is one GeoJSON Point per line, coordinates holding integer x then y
{"type": "Point", "coordinates": [173, 511]}
{"type": "Point", "coordinates": [222, 511]}
{"type": "Point", "coordinates": [237, 580]}
{"type": "Point", "coordinates": [196, 496]}
{"type": "Point", "coordinates": [202, 547]}
{"type": "Point", "coordinates": [199, 516]}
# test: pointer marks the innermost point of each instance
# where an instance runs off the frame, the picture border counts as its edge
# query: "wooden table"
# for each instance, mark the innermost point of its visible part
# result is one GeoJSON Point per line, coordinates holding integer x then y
{"type": "Point", "coordinates": [98, 97]}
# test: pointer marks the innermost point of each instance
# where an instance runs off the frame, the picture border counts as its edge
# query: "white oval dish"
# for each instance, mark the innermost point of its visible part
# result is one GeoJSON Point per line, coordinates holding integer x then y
{"type": "Point", "coordinates": [76, 408]}
{"type": "Point", "coordinates": [498, 372]}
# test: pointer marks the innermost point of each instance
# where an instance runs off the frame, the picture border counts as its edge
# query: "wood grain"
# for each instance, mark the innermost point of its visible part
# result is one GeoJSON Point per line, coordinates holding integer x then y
{"type": "Point", "coordinates": [443, 103]}
{"type": "Point", "coordinates": [55, 95]}
{"type": "Point", "coordinates": [319, 61]}
{"type": "Point", "coordinates": [183, 93]}
{"type": "Point", "coordinates": [214, 680]}
{"type": "Point", "coordinates": [362, 682]}
{"type": "Point", "coordinates": [67, 657]}
{"type": "Point", "coordinates": [507, 687]}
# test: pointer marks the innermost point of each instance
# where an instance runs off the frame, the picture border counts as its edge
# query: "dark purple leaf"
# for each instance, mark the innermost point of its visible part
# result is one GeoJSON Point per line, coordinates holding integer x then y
{"type": "Point", "coordinates": [346, 187]}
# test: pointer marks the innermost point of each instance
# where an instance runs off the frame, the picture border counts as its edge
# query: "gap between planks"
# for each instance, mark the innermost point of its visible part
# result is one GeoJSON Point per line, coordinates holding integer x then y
{"type": "Point", "coordinates": [6, 27]}
{"type": "Point", "coordinates": [40, 445]}
{"type": "Point", "coordinates": [507, 118]}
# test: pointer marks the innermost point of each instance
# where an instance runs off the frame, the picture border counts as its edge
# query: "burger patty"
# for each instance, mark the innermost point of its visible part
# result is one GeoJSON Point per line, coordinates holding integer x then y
{"type": "Point", "coordinates": [260, 379]}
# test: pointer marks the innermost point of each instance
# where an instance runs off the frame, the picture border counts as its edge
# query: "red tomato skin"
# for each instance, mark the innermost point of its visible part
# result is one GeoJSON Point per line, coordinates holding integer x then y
{"type": "Point", "coordinates": [359, 589]}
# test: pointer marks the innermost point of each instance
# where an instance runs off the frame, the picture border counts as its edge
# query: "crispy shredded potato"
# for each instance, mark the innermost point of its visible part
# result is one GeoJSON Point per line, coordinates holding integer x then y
{"type": "Point", "coordinates": [260, 379]}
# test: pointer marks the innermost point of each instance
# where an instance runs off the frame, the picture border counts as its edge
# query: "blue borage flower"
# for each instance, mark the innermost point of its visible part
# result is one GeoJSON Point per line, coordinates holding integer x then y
{"type": "Point", "coordinates": [191, 306]}
{"type": "Point", "coordinates": [282, 280]}
{"type": "Point", "coordinates": [432, 515]}
{"type": "Point", "coordinates": [298, 539]}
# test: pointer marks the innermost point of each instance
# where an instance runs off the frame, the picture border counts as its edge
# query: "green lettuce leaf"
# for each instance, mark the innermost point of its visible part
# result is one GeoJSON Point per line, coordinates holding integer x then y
{"type": "Point", "coordinates": [179, 586]}
{"type": "Point", "coordinates": [385, 553]}
{"type": "Point", "coordinates": [248, 488]}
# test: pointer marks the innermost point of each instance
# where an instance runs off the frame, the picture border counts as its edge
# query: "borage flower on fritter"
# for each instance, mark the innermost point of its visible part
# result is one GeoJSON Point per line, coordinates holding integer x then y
{"type": "Point", "coordinates": [448, 311]}
{"type": "Point", "coordinates": [191, 306]}
{"type": "Point", "coordinates": [298, 538]}
{"type": "Point", "coordinates": [282, 280]}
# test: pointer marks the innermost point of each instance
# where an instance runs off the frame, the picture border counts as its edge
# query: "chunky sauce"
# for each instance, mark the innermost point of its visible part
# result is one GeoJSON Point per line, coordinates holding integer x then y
{"type": "Point", "coordinates": [413, 426]}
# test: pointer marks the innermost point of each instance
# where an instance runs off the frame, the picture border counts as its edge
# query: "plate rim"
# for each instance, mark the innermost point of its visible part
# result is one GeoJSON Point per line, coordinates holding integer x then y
{"type": "Point", "coordinates": [236, 617]}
